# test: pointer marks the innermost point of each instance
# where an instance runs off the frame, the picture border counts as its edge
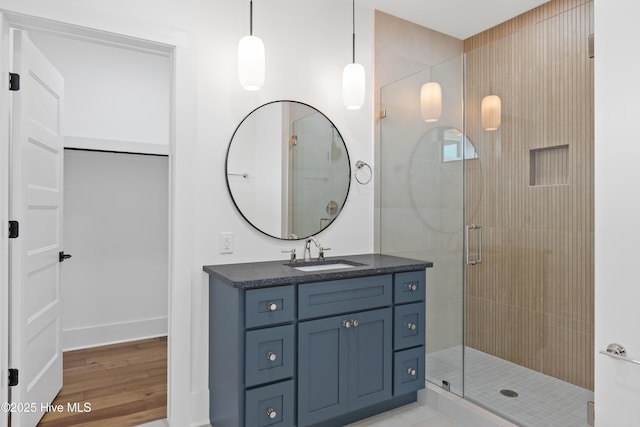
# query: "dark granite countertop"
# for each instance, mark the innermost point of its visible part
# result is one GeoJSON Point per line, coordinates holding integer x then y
{"type": "Point", "coordinates": [275, 273]}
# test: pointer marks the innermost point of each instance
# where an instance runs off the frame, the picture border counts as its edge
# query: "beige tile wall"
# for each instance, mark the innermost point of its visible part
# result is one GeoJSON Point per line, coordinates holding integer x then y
{"type": "Point", "coordinates": [531, 300]}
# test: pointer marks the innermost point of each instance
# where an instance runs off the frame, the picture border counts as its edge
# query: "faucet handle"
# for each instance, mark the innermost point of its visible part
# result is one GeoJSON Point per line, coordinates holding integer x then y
{"type": "Point", "coordinates": [293, 254]}
{"type": "Point", "coordinates": [321, 252]}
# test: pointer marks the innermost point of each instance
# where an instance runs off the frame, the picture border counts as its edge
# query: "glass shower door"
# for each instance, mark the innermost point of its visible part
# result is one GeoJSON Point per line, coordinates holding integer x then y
{"type": "Point", "coordinates": [422, 210]}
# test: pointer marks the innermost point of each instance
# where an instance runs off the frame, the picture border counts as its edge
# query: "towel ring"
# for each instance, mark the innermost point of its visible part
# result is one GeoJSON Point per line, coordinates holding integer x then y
{"type": "Point", "coordinates": [363, 181]}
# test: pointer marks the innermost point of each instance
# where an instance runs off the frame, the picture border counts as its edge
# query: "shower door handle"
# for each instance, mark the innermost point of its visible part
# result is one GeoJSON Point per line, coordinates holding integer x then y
{"type": "Point", "coordinates": [478, 259]}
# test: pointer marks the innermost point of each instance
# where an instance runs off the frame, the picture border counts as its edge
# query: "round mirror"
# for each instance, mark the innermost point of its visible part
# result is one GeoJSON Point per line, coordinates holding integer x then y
{"type": "Point", "coordinates": [288, 170]}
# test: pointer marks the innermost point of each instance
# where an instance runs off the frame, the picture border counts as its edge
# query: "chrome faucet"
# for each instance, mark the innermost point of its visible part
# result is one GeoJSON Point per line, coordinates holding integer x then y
{"type": "Point", "coordinates": [307, 249]}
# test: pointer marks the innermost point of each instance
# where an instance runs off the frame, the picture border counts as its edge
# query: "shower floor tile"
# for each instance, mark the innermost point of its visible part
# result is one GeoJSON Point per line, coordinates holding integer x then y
{"type": "Point", "coordinates": [542, 401]}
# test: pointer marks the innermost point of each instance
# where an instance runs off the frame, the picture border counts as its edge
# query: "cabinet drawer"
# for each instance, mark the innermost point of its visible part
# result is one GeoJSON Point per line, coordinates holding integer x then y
{"type": "Point", "coordinates": [408, 371]}
{"type": "Point", "coordinates": [269, 355]}
{"type": "Point", "coordinates": [408, 326]}
{"type": "Point", "coordinates": [409, 287]}
{"type": "Point", "coordinates": [343, 296]}
{"type": "Point", "coordinates": [271, 405]}
{"type": "Point", "coordinates": [268, 306]}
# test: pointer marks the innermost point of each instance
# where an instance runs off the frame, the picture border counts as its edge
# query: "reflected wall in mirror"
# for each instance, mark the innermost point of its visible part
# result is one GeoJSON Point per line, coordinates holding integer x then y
{"type": "Point", "coordinates": [436, 174]}
{"type": "Point", "coordinates": [288, 170]}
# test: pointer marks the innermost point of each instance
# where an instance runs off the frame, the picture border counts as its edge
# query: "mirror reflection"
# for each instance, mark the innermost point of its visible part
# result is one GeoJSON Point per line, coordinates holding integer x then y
{"type": "Point", "coordinates": [288, 170]}
{"type": "Point", "coordinates": [436, 168]}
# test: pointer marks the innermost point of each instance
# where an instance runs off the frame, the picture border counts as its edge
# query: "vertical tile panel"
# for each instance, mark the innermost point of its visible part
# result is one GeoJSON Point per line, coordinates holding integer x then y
{"type": "Point", "coordinates": [532, 298]}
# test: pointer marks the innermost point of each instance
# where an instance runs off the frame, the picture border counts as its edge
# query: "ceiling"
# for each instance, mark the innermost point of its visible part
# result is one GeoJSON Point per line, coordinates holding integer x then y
{"type": "Point", "coordinates": [457, 18]}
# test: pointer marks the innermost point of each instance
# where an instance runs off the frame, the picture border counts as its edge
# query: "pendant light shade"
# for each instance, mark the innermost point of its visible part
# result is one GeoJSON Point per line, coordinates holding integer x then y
{"type": "Point", "coordinates": [491, 112]}
{"type": "Point", "coordinates": [431, 102]}
{"type": "Point", "coordinates": [353, 76]}
{"type": "Point", "coordinates": [251, 58]}
{"type": "Point", "coordinates": [353, 86]}
{"type": "Point", "coordinates": [251, 62]}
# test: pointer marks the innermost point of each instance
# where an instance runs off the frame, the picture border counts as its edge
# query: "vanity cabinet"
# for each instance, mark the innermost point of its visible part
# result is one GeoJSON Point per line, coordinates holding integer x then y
{"type": "Point", "coordinates": [309, 352]}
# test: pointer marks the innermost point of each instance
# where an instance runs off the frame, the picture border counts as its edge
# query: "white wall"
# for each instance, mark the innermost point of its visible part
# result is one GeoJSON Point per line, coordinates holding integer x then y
{"type": "Point", "coordinates": [115, 98]}
{"type": "Point", "coordinates": [307, 46]}
{"type": "Point", "coordinates": [617, 209]}
{"type": "Point", "coordinates": [114, 288]}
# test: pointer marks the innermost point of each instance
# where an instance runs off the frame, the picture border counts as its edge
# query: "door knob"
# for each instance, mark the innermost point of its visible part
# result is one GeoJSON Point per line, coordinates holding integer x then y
{"type": "Point", "coordinates": [62, 256]}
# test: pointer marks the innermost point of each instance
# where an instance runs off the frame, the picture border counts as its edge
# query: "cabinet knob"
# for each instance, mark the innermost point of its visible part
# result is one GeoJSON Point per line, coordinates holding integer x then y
{"type": "Point", "coordinates": [271, 413]}
{"type": "Point", "coordinates": [272, 306]}
{"type": "Point", "coordinates": [411, 326]}
{"type": "Point", "coordinates": [355, 323]}
{"type": "Point", "coordinates": [411, 372]}
{"type": "Point", "coordinates": [272, 356]}
{"type": "Point", "coordinates": [346, 324]}
{"type": "Point", "coordinates": [412, 287]}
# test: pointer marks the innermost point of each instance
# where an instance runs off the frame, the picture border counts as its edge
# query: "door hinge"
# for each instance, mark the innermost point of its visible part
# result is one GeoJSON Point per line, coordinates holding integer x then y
{"type": "Point", "coordinates": [14, 229]}
{"type": "Point", "coordinates": [14, 81]}
{"type": "Point", "coordinates": [13, 377]}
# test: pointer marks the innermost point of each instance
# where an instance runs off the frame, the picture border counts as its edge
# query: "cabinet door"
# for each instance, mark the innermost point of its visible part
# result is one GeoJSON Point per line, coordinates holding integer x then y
{"type": "Point", "coordinates": [322, 369]}
{"type": "Point", "coordinates": [370, 358]}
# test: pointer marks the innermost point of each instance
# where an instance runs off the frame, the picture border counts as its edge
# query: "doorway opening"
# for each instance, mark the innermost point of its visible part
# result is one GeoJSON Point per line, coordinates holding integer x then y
{"type": "Point", "coordinates": [117, 139]}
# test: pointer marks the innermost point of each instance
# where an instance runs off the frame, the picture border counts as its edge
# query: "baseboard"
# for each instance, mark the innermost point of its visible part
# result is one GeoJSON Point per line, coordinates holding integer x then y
{"type": "Point", "coordinates": [200, 408]}
{"type": "Point", "coordinates": [94, 336]}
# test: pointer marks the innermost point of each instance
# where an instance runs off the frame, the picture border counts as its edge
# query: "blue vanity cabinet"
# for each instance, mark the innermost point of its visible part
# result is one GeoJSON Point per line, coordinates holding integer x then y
{"type": "Point", "coordinates": [314, 350]}
{"type": "Point", "coordinates": [409, 332]}
{"type": "Point", "coordinates": [344, 364]}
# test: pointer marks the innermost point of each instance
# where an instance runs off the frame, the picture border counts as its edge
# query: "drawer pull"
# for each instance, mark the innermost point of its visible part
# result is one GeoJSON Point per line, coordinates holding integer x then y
{"type": "Point", "coordinates": [411, 326]}
{"type": "Point", "coordinates": [346, 324]}
{"type": "Point", "coordinates": [412, 287]}
{"type": "Point", "coordinates": [271, 413]}
{"type": "Point", "coordinates": [411, 372]}
{"type": "Point", "coordinates": [272, 356]}
{"type": "Point", "coordinates": [272, 306]}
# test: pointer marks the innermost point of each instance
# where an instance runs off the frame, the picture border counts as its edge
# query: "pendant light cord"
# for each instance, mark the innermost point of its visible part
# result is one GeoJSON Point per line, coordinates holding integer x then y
{"type": "Point", "coordinates": [251, 18]}
{"type": "Point", "coordinates": [353, 17]}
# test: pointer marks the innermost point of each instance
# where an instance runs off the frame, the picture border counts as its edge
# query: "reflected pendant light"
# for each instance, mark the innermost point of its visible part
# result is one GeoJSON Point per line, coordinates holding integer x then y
{"type": "Point", "coordinates": [353, 78]}
{"type": "Point", "coordinates": [431, 102]}
{"type": "Point", "coordinates": [251, 58]}
{"type": "Point", "coordinates": [491, 112]}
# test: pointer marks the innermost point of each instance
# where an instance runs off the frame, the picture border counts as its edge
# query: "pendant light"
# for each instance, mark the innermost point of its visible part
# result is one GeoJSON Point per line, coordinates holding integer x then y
{"type": "Point", "coordinates": [353, 78]}
{"type": "Point", "coordinates": [431, 102]}
{"type": "Point", "coordinates": [491, 112]}
{"type": "Point", "coordinates": [251, 58]}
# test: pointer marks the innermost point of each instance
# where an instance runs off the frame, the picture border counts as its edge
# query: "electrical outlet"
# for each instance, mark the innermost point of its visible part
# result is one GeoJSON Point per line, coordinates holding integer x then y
{"type": "Point", "coordinates": [226, 243]}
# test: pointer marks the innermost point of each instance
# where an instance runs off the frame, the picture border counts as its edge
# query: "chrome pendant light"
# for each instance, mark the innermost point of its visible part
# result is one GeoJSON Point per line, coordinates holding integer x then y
{"type": "Point", "coordinates": [251, 58]}
{"type": "Point", "coordinates": [353, 77]}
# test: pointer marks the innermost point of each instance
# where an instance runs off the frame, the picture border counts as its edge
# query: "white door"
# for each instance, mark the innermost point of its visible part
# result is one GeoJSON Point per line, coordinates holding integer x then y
{"type": "Point", "coordinates": [36, 202]}
{"type": "Point", "coordinates": [617, 210]}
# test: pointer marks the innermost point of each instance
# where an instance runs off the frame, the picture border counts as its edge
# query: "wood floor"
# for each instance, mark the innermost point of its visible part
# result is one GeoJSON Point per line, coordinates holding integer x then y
{"type": "Point", "coordinates": [124, 384]}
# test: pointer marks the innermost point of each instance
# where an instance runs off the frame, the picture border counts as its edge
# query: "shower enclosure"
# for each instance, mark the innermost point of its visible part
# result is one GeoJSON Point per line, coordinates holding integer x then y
{"type": "Point", "coordinates": [506, 215]}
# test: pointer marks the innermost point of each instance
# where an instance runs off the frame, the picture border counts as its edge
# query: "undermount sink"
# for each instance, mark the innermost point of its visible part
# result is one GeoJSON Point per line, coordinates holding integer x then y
{"type": "Point", "coordinates": [322, 265]}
